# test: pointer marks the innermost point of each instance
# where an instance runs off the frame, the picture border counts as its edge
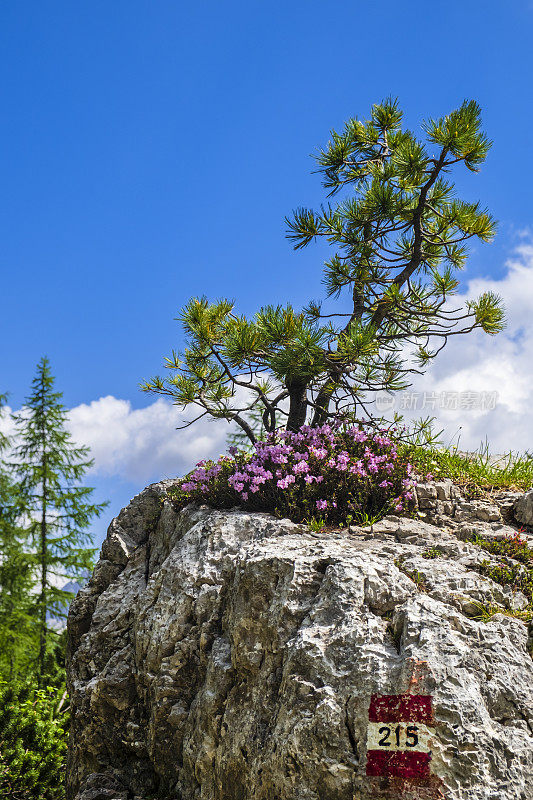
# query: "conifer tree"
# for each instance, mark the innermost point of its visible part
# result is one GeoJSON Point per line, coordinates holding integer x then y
{"type": "Point", "coordinates": [17, 602]}
{"type": "Point", "coordinates": [4, 440]}
{"type": "Point", "coordinates": [49, 468]}
{"type": "Point", "coordinates": [17, 621]}
{"type": "Point", "coordinates": [399, 235]}
{"type": "Point", "coordinates": [33, 742]}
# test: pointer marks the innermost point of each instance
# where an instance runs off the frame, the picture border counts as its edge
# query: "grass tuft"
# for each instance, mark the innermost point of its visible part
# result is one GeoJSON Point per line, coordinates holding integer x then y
{"type": "Point", "coordinates": [485, 611]}
{"type": "Point", "coordinates": [413, 574]}
{"type": "Point", "coordinates": [475, 472]}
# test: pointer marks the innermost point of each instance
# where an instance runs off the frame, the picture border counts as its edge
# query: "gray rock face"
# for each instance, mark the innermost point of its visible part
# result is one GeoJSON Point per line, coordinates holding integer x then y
{"type": "Point", "coordinates": [523, 509]}
{"type": "Point", "coordinates": [230, 656]}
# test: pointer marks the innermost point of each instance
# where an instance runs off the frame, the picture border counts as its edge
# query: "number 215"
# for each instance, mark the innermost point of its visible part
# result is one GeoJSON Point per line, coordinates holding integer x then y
{"type": "Point", "coordinates": [411, 736]}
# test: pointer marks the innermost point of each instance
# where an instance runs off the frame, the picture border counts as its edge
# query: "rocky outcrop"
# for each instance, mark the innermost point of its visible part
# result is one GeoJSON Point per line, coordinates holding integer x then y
{"type": "Point", "coordinates": [523, 509]}
{"type": "Point", "coordinates": [229, 656]}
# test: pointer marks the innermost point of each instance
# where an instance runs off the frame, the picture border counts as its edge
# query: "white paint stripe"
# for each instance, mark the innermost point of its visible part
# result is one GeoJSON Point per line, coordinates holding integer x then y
{"type": "Point", "coordinates": [412, 736]}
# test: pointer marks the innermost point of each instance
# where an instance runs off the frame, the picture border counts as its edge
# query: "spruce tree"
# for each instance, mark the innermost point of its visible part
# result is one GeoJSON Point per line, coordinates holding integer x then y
{"type": "Point", "coordinates": [17, 620]}
{"type": "Point", "coordinates": [4, 440]}
{"type": "Point", "coordinates": [49, 468]}
{"type": "Point", "coordinates": [399, 234]}
{"type": "Point", "coordinates": [17, 601]}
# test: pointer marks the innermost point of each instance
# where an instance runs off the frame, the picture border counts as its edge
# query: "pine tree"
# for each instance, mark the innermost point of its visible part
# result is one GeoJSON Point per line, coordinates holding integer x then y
{"type": "Point", "coordinates": [239, 438]}
{"type": "Point", "coordinates": [399, 234]}
{"type": "Point", "coordinates": [59, 511]}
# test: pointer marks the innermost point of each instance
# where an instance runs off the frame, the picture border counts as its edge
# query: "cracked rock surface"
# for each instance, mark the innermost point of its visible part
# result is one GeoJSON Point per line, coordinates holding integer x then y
{"type": "Point", "coordinates": [232, 656]}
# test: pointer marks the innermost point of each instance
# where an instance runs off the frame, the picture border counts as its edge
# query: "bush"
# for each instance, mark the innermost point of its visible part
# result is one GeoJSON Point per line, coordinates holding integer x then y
{"type": "Point", "coordinates": [33, 743]}
{"type": "Point", "coordinates": [513, 546]}
{"type": "Point", "coordinates": [518, 577]}
{"type": "Point", "coordinates": [341, 475]}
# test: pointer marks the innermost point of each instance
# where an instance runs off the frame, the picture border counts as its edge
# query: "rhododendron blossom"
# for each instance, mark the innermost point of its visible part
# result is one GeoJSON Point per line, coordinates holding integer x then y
{"type": "Point", "coordinates": [342, 472]}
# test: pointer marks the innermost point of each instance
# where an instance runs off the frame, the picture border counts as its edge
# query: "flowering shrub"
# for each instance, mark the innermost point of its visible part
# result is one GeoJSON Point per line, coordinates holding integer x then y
{"type": "Point", "coordinates": [514, 546]}
{"type": "Point", "coordinates": [337, 474]}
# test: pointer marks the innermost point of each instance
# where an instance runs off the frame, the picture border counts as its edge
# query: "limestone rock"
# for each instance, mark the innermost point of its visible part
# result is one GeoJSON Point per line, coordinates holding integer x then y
{"type": "Point", "coordinates": [233, 656]}
{"type": "Point", "coordinates": [477, 509]}
{"type": "Point", "coordinates": [523, 509]}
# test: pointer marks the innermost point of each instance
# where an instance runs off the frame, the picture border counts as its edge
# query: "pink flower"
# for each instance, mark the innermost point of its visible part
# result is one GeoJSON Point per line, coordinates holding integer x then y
{"type": "Point", "coordinates": [286, 481]}
{"type": "Point", "coordinates": [318, 452]}
{"type": "Point", "coordinates": [321, 504]}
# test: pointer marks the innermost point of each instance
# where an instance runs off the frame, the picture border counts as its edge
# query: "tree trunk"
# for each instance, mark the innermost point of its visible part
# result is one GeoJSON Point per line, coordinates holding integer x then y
{"type": "Point", "coordinates": [322, 402]}
{"type": "Point", "coordinates": [44, 579]}
{"type": "Point", "coordinates": [298, 404]}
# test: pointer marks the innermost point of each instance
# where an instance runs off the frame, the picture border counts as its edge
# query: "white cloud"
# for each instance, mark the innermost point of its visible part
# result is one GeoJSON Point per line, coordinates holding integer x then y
{"type": "Point", "coordinates": [480, 363]}
{"type": "Point", "coordinates": [139, 445]}
{"type": "Point", "coordinates": [143, 444]}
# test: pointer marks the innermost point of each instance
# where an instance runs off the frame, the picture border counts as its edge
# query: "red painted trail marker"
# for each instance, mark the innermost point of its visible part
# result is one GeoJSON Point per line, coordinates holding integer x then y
{"type": "Point", "coordinates": [400, 732]}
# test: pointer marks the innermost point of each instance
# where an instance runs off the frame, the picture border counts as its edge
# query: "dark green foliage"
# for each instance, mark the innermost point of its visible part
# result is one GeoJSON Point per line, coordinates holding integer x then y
{"type": "Point", "coordinates": [17, 611]}
{"type": "Point", "coordinates": [432, 552]}
{"type": "Point", "coordinates": [44, 516]}
{"type": "Point", "coordinates": [33, 742]}
{"type": "Point", "coordinates": [516, 576]}
{"type": "Point", "coordinates": [399, 234]}
{"type": "Point", "coordinates": [511, 546]}
{"type": "Point", "coordinates": [58, 511]}
{"type": "Point", "coordinates": [18, 627]}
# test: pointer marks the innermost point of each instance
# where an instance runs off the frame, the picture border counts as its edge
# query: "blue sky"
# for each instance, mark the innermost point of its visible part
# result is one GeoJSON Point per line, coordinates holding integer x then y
{"type": "Point", "coordinates": [151, 150]}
